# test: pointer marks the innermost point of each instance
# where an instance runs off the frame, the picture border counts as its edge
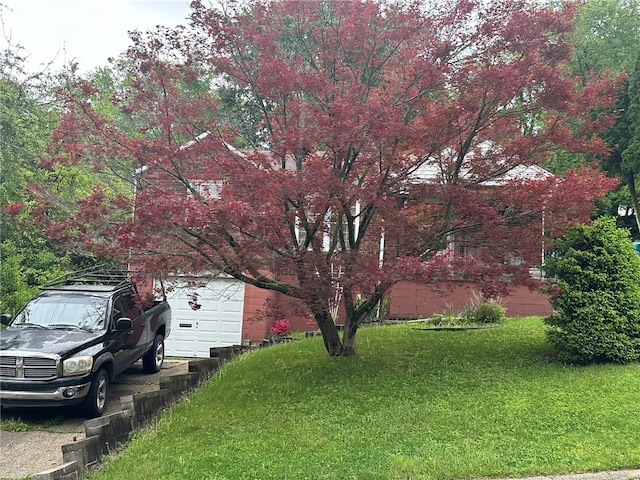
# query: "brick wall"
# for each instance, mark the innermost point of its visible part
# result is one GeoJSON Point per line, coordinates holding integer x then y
{"type": "Point", "coordinates": [412, 300]}
{"type": "Point", "coordinates": [254, 327]}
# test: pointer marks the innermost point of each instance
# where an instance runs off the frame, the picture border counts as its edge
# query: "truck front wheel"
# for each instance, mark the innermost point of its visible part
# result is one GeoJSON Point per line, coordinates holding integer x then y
{"type": "Point", "coordinates": [96, 400]}
{"type": "Point", "coordinates": [152, 360]}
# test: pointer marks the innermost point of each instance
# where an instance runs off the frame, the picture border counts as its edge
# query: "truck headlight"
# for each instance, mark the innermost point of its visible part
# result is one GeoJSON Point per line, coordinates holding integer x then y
{"type": "Point", "coordinates": [77, 366]}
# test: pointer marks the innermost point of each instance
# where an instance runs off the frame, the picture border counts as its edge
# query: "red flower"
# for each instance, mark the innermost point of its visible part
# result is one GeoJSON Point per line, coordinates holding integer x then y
{"type": "Point", "coordinates": [281, 328]}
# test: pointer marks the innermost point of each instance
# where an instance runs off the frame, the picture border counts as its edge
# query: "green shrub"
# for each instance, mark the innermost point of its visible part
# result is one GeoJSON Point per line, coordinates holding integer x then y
{"type": "Point", "coordinates": [448, 318]}
{"type": "Point", "coordinates": [596, 295]}
{"type": "Point", "coordinates": [482, 311]}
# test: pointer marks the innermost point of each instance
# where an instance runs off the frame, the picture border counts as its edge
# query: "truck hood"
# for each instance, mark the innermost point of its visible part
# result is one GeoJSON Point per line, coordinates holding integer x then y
{"type": "Point", "coordinates": [61, 342]}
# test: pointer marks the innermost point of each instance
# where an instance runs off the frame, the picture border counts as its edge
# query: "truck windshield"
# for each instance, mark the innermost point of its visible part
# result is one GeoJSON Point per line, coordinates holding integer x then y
{"type": "Point", "coordinates": [76, 311]}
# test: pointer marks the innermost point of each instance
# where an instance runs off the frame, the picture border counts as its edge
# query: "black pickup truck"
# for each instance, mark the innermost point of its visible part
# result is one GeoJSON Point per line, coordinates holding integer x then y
{"type": "Point", "coordinates": [67, 344]}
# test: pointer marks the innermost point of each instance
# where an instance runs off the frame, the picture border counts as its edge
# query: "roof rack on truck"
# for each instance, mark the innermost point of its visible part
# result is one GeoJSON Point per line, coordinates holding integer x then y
{"type": "Point", "coordinates": [100, 275]}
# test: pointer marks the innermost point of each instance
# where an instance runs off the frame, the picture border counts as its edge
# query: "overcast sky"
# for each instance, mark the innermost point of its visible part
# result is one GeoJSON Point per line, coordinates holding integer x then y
{"type": "Point", "coordinates": [88, 31]}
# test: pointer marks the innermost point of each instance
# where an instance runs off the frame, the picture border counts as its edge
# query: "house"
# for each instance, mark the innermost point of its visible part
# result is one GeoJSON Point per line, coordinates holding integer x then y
{"type": "Point", "coordinates": [212, 310]}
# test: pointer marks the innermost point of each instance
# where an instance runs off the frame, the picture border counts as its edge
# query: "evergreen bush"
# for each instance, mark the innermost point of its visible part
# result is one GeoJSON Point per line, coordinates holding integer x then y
{"type": "Point", "coordinates": [595, 295]}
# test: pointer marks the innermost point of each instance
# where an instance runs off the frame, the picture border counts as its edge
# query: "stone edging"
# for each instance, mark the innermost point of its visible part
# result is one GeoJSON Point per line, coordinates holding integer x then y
{"type": "Point", "coordinates": [104, 435]}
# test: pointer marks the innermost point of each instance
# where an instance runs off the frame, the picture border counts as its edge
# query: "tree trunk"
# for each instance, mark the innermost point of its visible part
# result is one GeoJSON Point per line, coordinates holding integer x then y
{"type": "Point", "coordinates": [634, 198]}
{"type": "Point", "coordinates": [329, 333]}
{"type": "Point", "coordinates": [349, 337]}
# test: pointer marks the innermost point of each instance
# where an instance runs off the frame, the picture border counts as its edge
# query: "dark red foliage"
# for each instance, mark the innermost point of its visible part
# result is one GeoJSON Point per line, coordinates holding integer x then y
{"type": "Point", "coordinates": [13, 209]}
{"type": "Point", "coordinates": [379, 127]}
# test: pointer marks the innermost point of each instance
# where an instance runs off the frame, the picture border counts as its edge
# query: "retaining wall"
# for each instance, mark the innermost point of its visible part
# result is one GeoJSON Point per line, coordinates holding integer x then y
{"type": "Point", "coordinates": [106, 434]}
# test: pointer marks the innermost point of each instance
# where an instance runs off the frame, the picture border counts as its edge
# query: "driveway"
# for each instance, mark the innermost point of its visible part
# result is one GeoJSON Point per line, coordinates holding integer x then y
{"type": "Point", "coordinates": [40, 447]}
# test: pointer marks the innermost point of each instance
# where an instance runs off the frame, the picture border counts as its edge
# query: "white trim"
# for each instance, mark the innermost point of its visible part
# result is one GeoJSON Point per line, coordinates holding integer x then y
{"type": "Point", "coordinates": [356, 224]}
{"type": "Point", "coordinates": [381, 254]}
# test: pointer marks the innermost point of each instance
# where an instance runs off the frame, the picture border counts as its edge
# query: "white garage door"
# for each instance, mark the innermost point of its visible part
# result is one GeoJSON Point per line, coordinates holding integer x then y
{"type": "Point", "coordinates": [216, 320]}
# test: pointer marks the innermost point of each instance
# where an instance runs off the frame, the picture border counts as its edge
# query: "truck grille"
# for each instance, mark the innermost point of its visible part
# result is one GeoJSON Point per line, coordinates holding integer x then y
{"type": "Point", "coordinates": [40, 368]}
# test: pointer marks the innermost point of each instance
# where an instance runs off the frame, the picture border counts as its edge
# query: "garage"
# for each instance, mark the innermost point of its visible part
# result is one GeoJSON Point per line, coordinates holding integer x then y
{"type": "Point", "coordinates": [205, 313]}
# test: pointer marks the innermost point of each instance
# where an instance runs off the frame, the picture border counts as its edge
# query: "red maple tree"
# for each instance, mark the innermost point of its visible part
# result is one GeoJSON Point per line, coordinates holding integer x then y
{"type": "Point", "coordinates": [302, 146]}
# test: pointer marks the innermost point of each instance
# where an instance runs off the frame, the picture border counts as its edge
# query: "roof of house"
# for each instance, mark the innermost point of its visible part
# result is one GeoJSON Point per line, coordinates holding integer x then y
{"type": "Point", "coordinates": [430, 172]}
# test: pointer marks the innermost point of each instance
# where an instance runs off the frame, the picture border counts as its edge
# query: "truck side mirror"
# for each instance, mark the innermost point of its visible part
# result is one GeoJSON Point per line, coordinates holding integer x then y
{"type": "Point", "coordinates": [124, 323]}
{"type": "Point", "coordinates": [5, 318]}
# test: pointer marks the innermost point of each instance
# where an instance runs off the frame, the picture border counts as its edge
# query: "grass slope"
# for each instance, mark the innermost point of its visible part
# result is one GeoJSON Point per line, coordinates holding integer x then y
{"type": "Point", "coordinates": [412, 404]}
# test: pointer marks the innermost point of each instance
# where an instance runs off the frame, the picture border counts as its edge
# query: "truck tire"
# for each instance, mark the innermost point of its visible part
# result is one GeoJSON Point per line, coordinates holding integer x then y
{"type": "Point", "coordinates": [152, 360]}
{"type": "Point", "coordinates": [96, 401]}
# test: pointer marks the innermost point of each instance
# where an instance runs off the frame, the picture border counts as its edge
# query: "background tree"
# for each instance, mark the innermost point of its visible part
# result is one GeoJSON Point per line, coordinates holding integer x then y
{"type": "Point", "coordinates": [380, 127]}
{"type": "Point", "coordinates": [624, 138]}
{"type": "Point", "coordinates": [597, 295]}
{"type": "Point", "coordinates": [27, 117]}
{"type": "Point", "coordinates": [30, 189]}
{"type": "Point", "coordinates": [607, 38]}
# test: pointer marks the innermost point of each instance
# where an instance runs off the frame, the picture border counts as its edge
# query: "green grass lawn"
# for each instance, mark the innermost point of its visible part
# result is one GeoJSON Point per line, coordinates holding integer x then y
{"type": "Point", "coordinates": [413, 404]}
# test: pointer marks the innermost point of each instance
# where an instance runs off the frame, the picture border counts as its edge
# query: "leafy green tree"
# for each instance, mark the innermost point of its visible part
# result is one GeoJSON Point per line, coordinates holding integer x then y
{"type": "Point", "coordinates": [27, 117]}
{"type": "Point", "coordinates": [624, 139]}
{"type": "Point", "coordinates": [26, 122]}
{"type": "Point", "coordinates": [597, 295]}
{"type": "Point", "coordinates": [607, 37]}
{"type": "Point", "coordinates": [28, 114]}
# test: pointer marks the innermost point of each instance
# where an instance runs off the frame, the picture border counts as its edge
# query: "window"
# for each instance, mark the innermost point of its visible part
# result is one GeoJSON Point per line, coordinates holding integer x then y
{"type": "Point", "coordinates": [330, 227]}
{"type": "Point", "coordinates": [207, 189]}
{"type": "Point", "coordinates": [124, 307]}
{"type": "Point", "coordinates": [84, 311]}
{"type": "Point", "coordinates": [301, 233]}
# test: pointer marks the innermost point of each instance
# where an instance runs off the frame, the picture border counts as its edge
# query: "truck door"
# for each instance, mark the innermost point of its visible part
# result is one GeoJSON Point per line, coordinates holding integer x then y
{"type": "Point", "coordinates": [135, 313]}
{"type": "Point", "coordinates": [129, 344]}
